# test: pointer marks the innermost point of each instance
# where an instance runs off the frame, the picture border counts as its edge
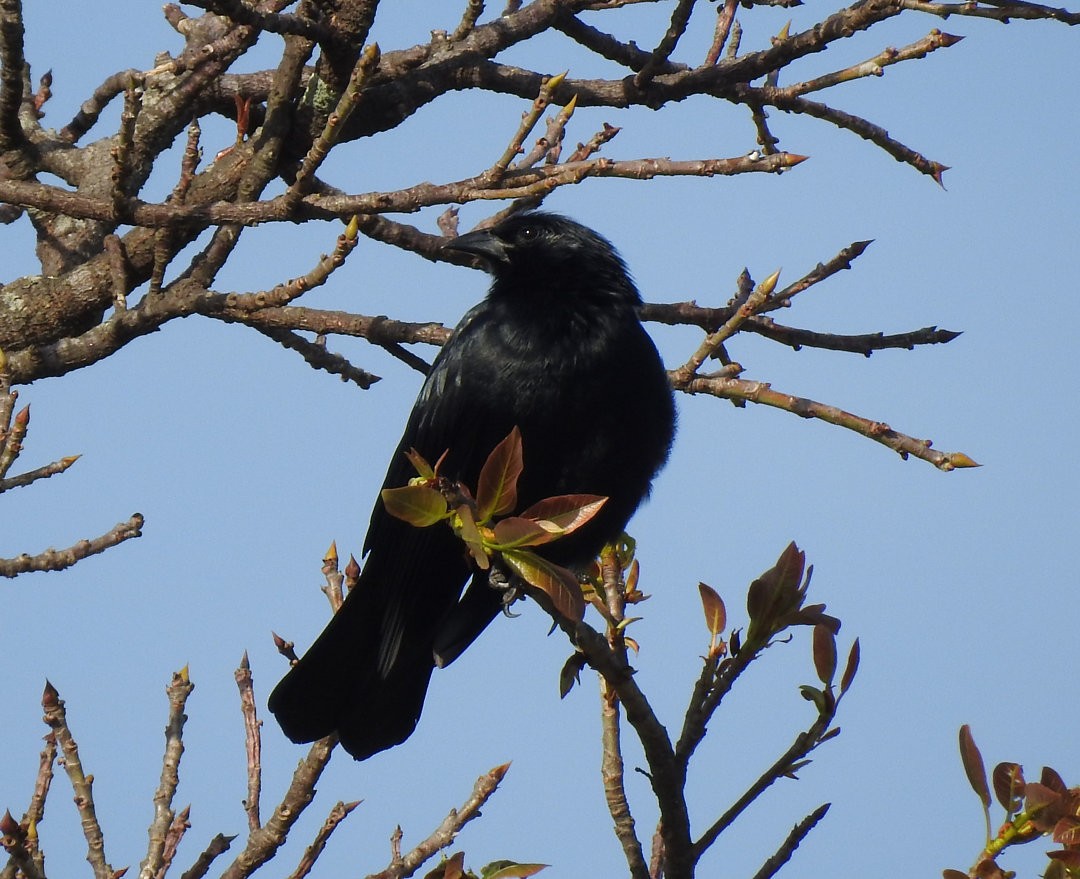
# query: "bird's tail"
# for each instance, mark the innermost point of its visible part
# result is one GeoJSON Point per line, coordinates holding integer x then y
{"type": "Point", "coordinates": [346, 683]}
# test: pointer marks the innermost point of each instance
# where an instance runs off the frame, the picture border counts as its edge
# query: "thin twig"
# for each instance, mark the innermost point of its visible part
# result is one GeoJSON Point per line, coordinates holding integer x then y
{"type": "Point", "coordinates": [180, 825]}
{"type": "Point", "coordinates": [179, 689]}
{"type": "Point", "coordinates": [715, 339]}
{"type": "Point", "coordinates": [57, 560]}
{"type": "Point", "coordinates": [473, 10]}
{"type": "Point", "coordinates": [24, 479]}
{"type": "Point", "coordinates": [335, 122]}
{"type": "Point", "coordinates": [218, 846]}
{"type": "Point", "coordinates": [1002, 12]}
{"type": "Point", "coordinates": [311, 854]}
{"type": "Point", "coordinates": [263, 843]}
{"type": "Point", "coordinates": [285, 293]}
{"type": "Point", "coordinates": [787, 848]}
{"type": "Point", "coordinates": [664, 774]}
{"type": "Point", "coordinates": [529, 119]}
{"type": "Point", "coordinates": [405, 865]}
{"type": "Point", "coordinates": [612, 769]}
{"type": "Point", "coordinates": [804, 743]}
{"type": "Point", "coordinates": [81, 782]}
{"type": "Point", "coordinates": [92, 107]}
{"type": "Point", "coordinates": [763, 393]}
{"type": "Point", "coordinates": [680, 18]}
{"type": "Point", "coordinates": [252, 742]}
{"type": "Point", "coordinates": [725, 17]}
{"type": "Point", "coordinates": [875, 66]}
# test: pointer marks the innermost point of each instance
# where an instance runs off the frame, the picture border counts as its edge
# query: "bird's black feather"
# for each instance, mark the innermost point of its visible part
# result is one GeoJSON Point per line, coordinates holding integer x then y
{"type": "Point", "coordinates": [557, 350]}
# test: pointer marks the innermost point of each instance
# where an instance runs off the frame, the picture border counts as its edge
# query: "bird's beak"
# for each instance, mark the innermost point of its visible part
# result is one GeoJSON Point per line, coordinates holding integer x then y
{"type": "Point", "coordinates": [481, 243]}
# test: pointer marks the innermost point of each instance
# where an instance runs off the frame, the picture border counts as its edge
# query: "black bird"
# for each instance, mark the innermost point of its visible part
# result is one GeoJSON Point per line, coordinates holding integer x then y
{"type": "Point", "coordinates": [556, 349]}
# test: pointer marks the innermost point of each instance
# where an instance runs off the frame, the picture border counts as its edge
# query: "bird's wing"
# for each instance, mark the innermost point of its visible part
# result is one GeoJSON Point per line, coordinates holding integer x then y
{"type": "Point", "coordinates": [450, 415]}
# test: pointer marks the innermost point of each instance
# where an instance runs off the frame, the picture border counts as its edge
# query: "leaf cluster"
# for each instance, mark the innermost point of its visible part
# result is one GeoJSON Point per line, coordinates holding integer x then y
{"type": "Point", "coordinates": [483, 520]}
{"type": "Point", "coordinates": [1033, 810]}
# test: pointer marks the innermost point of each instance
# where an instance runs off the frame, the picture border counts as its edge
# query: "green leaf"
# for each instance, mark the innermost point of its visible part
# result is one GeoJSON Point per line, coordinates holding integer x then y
{"type": "Point", "coordinates": [559, 584]}
{"type": "Point", "coordinates": [420, 464]}
{"type": "Point", "coordinates": [510, 870]}
{"type": "Point", "coordinates": [496, 489]}
{"type": "Point", "coordinates": [813, 694]}
{"type": "Point", "coordinates": [419, 505]}
{"type": "Point", "coordinates": [468, 532]}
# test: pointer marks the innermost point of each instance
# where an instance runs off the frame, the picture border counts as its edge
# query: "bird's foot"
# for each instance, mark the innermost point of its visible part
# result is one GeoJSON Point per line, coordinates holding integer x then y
{"type": "Point", "coordinates": [504, 582]}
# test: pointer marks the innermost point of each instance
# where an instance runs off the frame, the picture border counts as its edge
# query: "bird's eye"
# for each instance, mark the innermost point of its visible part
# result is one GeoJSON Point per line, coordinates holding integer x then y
{"type": "Point", "coordinates": [528, 233]}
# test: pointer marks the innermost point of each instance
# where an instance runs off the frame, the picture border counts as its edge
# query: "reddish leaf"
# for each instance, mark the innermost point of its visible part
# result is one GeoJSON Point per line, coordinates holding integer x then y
{"type": "Point", "coordinates": [452, 868]}
{"type": "Point", "coordinates": [973, 765]}
{"type": "Point", "coordinates": [1052, 780]}
{"type": "Point", "coordinates": [517, 531]}
{"type": "Point", "coordinates": [715, 612]}
{"type": "Point", "coordinates": [10, 827]}
{"type": "Point", "coordinates": [824, 654]}
{"type": "Point", "coordinates": [419, 505]}
{"type": "Point", "coordinates": [1039, 796]}
{"type": "Point", "coordinates": [1045, 805]}
{"type": "Point", "coordinates": [776, 594]}
{"type": "Point", "coordinates": [559, 584]}
{"type": "Point", "coordinates": [813, 615]}
{"type": "Point", "coordinates": [1071, 859]}
{"type": "Point", "coordinates": [496, 489]}
{"type": "Point", "coordinates": [571, 673]}
{"type": "Point", "coordinates": [987, 868]}
{"type": "Point", "coordinates": [1067, 831]}
{"type": "Point", "coordinates": [1008, 779]}
{"type": "Point", "coordinates": [789, 567]}
{"type": "Point", "coordinates": [851, 667]}
{"type": "Point", "coordinates": [566, 512]}
{"type": "Point", "coordinates": [1055, 870]}
{"type": "Point", "coordinates": [954, 874]}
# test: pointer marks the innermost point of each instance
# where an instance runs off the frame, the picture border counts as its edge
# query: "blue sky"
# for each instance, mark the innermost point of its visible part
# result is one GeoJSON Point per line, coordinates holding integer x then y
{"type": "Point", "coordinates": [247, 463]}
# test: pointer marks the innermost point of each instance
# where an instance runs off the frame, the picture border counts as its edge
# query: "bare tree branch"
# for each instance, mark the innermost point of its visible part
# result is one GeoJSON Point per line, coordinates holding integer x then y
{"type": "Point", "coordinates": [162, 827]}
{"type": "Point", "coordinates": [81, 783]}
{"type": "Point", "coordinates": [406, 865]}
{"type": "Point", "coordinates": [57, 560]}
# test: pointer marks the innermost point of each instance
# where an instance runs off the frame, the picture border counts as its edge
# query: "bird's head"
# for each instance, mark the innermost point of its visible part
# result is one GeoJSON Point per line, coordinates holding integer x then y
{"type": "Point", "coordinates": [538, 250]}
